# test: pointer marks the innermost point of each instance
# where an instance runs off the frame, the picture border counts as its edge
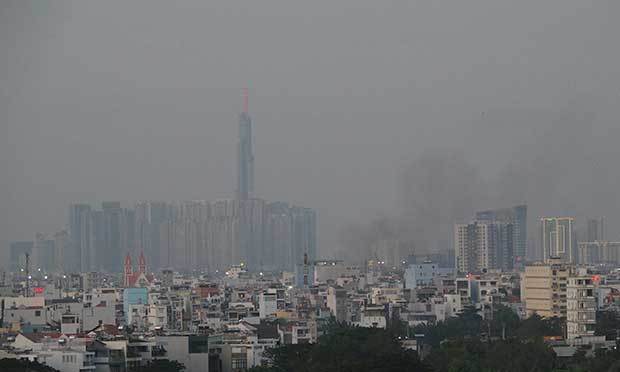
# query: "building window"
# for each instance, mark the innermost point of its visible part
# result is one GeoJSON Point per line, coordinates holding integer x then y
{"type": "Point", "coordinates": [37, 313]}
{"type": "Point", "coordinates": [239, 364]}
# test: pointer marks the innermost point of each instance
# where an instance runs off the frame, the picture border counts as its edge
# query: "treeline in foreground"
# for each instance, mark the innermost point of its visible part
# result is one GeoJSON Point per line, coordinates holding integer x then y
{"type": "Point", "coordinates": [20, 365]}
{"type": "Point", "coordinates": [464, 344]}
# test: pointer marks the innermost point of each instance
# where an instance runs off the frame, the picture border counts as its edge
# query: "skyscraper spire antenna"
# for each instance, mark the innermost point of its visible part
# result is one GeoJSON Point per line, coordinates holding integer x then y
{"type": "Point", "coordinates": [246, 105]}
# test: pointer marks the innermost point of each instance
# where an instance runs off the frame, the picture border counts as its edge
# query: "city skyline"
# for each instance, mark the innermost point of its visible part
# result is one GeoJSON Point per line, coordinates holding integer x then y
{"type": "Point", "coordinates": [416, 186]}
{"type": "Point", "coordinates": [341, 124]}
{"type": "Point", "coordinates": [187, 235]}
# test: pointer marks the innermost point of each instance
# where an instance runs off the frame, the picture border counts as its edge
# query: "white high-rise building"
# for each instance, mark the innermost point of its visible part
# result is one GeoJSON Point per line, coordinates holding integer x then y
{"type": "Point", "coordinates": [557, 238]}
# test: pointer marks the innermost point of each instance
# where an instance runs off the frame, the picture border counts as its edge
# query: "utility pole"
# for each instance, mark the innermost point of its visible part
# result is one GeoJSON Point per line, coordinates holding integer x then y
{"type": "Point", "coordinates": [27, 275]}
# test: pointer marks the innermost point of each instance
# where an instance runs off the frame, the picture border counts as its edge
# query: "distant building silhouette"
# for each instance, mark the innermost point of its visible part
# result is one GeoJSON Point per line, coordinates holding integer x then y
{"type": "Point", "coordinates": [245, 154]}
{"type": "Point", "coordinates": [517, 217]}
{"type": "Point", "coordinates": [557, 238]}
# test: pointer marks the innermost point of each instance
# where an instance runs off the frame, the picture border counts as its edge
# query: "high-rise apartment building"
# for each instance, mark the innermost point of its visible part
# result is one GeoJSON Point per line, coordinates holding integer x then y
{"type": "Point", "coordinates": [43, 253]}
{"type": "Point", "coordinates": [598, 252]}
{"type": "Point", "coordinates": [474, 246]}
{"type": "Point", "coordinates": [245, 153]}
{"type": "Point", "coordinates": [557, 238]}
{"type": "Point", "coordinates": [483, 245]}
{"type": "Point", "coordinates": [278, 237]}
{"type": "Point", "coordinates": [580, 307]}
{"type": "Point", "coordinates": [76, 258]}
{"type": "Point", "coordinates": [595, 229]}
{"type": "Point", "coordinates": [61, 245]}
{"type": "Point", "coordinates": [112, 225]}
{"type": "Point", "coordinates": [251, 239]}
{"type": "Point", "coordinates": [98, 238]}
{"type": "Point", "coordinates": [90, 259]}
{"type": "Point", "coordinates": [304, 235]}
{"type": "Point", "coordinates": [17, 252]}
{"type": "Point", "coordinates": [543, 288]}
{"type": "Point", "coordinates": [150, 216]}
{"type": "Point", "coordinates": [517, 217]}
{"type": "Point", "coordinates": [195, 235]}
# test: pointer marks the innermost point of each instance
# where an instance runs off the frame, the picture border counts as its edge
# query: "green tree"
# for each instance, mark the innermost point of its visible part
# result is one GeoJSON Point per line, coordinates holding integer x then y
{"type": "Point", "coordinates": [505, 322]}
{"type": "Point", "coordinates": [517, 356]}
{"type": "Point", "coordinates": [345, 349]}
{"type": "Point", "coordinates": [160, 365]}
{"type": "Point", "coordinates": [19, 365]}
{"type": "Point", "coordinates": [471, 321]}
{"type": "Point", "coordinates": [607, 324]}
{"type": "Point", "coordinates": [537, 327]}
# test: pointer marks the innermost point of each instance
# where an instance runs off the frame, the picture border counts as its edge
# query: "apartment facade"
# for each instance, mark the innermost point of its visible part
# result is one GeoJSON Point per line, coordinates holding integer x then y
{"type": "Point", "coordinates": [544, 289]}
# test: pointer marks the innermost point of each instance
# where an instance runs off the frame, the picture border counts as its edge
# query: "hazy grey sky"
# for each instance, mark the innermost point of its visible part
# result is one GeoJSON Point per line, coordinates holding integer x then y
{"type": "Point", "coordinates": [127, 100]}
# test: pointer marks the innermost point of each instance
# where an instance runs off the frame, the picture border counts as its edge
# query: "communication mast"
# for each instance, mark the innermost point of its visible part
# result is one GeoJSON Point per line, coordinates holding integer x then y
{"type": "Point", "coordinates": [27, 294]}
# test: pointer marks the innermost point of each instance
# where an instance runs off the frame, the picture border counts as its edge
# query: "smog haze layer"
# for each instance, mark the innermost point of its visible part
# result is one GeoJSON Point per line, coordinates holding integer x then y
{"type": "Point", "coordinates": [415, 112]}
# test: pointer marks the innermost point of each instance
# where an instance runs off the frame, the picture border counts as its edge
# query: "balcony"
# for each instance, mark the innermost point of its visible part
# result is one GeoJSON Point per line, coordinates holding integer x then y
{"type": "Point", "coordinates": [158, 352]}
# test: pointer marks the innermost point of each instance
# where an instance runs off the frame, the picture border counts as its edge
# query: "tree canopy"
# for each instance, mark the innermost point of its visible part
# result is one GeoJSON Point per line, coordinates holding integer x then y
{"type": "Point", "coordinates": [160, 365]}
{"type": "Point", "coordinates": [468, 343]}
{"type": "Point", "coordinates": [20, 365]}
{"type": "Point", "coordinates": [345, 349]}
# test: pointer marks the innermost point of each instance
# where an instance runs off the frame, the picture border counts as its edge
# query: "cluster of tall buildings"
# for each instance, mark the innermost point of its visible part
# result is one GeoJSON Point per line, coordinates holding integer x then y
{"type": "Point", "coordinates": [497, 240]}
{"type": "Point", "coordinates": [98, 237]}
{"type": "Point", "coordinates": [45, 252]}
{"type": "Point", "coordinates": [596, 249]}
{"type": "Point", "coordinates": [560, 241]}
{"type": "Point", "coordinates": [192, 235]}
{"type": "Point", "coordinates": [494, 239]}
{"type": "Point", "coordinates": [261, 235]}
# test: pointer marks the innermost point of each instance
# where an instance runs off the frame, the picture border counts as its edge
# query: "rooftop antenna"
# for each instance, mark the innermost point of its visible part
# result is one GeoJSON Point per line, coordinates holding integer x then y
{"type": "Point", "coordinates": [27, 275]}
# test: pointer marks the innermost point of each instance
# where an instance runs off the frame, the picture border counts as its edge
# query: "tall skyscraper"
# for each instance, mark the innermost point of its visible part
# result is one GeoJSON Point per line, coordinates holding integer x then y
{"type": "Point", "coordinates": [90, 259]}
{"type": "Point", "coordinates": [43, 253]}
{"type": "Point", "coordinates": [596, 229]}
{"type": "Point", "coordinates": [245, 154]}
{"type": "Point", "coordinates": [304, 235]}
{"type": "Point", "coordinates": [61, 244]}
{"type": "Point", "coordinates": [557, 238]}
{"type": "Point", "coordinates": [483, 245]}
{"type": "Point", "coordinates": [517, 216]}
{"type": "Point", "coordinates": [18, 251]}
{"type": "Point", "coordinates": [112, 236]}
{"type": "Point", "coordinates": [80, 237]}
{"type": "Point", "coordinates": [150, 216]}
{"type": "Point", "coordinates": [475, 246]}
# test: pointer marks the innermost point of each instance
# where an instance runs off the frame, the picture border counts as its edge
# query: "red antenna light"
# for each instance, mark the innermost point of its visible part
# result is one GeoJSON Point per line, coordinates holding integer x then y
{"type": "Point", "coordinates": [246, 104]}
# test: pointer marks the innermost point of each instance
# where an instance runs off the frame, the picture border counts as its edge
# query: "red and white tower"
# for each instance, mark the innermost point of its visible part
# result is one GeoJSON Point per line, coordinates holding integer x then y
{"type": "Point", "coordinates": [142, 263]}
{"type": "Point", "coordinates": [128, 270]}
